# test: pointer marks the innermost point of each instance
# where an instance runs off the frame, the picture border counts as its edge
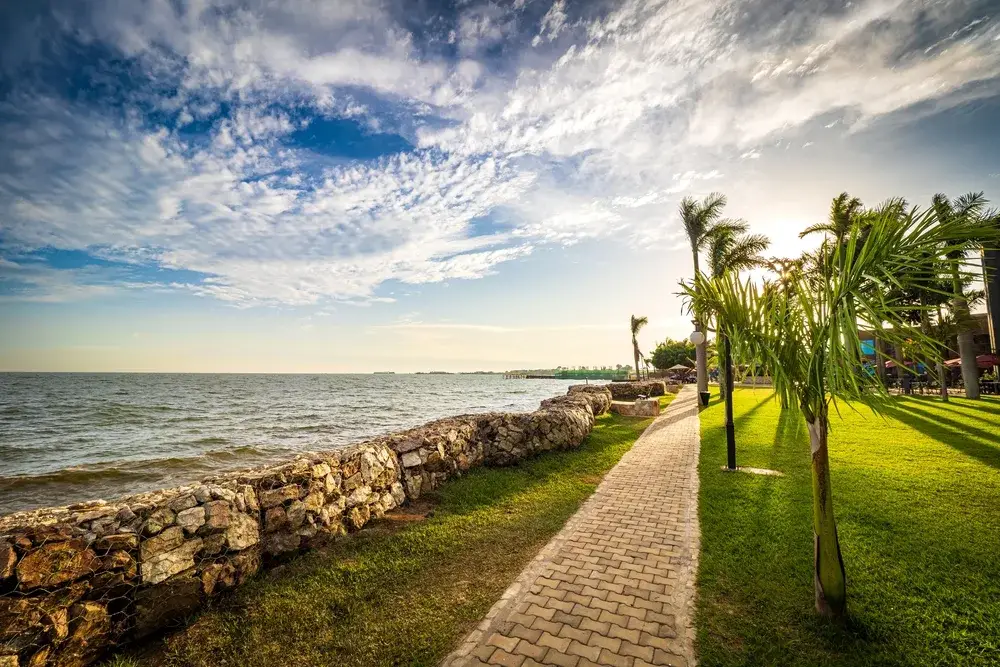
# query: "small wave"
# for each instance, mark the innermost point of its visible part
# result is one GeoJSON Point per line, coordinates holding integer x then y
{"type": "Point", "coordinates": [309, 428]}
{"type": "Point", "coordinates": [215, 440]}
{"type": "Point", "coordinates": [150, 469]}
{"type": "Point", "coordinates": [244, 451]}
{"type": "Point", "coordinates": [80, 475]}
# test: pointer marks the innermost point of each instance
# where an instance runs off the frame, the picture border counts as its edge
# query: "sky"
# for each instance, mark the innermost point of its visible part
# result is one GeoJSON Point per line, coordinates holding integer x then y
{"type": "Point", "coordinates": [352, 186]}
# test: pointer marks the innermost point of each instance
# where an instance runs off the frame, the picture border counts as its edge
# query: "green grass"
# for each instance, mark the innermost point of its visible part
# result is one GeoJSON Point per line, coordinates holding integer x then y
{"type": "Point", "coordinates": [917, 500]}
{"type": "Point", "coordinates": [404, 593]}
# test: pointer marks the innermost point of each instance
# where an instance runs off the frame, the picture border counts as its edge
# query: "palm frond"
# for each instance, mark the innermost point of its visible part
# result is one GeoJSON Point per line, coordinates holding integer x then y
{"type": "Point", "coordinates": [805, 331]}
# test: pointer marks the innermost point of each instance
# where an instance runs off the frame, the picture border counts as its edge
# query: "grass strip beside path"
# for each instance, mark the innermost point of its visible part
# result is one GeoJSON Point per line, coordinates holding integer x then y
{"type": "Point", "coordinates": [917, 500]}
{"type": "Point", "coordinates": [404, 593]}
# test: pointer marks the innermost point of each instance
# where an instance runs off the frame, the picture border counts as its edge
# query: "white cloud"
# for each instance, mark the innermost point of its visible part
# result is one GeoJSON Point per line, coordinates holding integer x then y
{"type": "Point", "coordinates": [594, 132]}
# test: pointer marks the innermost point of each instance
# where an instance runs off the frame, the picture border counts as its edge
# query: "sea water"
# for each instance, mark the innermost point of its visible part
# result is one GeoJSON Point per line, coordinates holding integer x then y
{"type": "Point", "coordinates": [68, 437]}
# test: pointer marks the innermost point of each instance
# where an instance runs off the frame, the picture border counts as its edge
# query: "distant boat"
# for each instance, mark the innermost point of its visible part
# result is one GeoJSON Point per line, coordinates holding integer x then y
{"type": "Point", "coordinates": [385, 372]}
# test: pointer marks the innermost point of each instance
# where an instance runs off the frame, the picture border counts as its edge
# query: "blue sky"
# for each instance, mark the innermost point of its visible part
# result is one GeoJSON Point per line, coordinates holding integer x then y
{"type": "Point", "coordinates": [350, 186]}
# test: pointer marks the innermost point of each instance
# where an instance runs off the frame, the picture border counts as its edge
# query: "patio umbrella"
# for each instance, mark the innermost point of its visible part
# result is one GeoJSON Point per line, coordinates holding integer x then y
{"type": "Point", "coordinates": [986, 360]}
{"type": "Point", "coordinates": [983, 361]}
{"type": "Point", "coordinates": [679, 367]}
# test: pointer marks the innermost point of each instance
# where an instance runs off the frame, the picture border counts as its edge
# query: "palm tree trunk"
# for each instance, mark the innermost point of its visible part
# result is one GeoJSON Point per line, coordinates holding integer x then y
{"type": "Point", "coordinates": [966, 342]}
{"type": "Point", "coordinates": [635, 354]}
{"type": "Point", "coordinates": [701, 350]}
{"type": "Point", "coordinates": [829, 579]}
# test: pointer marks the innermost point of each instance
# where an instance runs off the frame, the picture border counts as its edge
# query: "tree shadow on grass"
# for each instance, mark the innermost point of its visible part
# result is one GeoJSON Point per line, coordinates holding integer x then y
{"type": "Point", "coordinates": [953, 433]}
{"type": "Point", "coordinates": [790, 432]}
{"type": "Point", "coordinates": [989, 405]}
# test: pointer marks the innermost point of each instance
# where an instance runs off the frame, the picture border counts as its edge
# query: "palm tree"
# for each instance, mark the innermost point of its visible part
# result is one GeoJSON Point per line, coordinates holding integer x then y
{"type": "Point", "coordinates": [967, 209]}
{"type": "Point", "coordinates": [807, 335]}
{"type": "Point", "coordinates": [698, 219]}
{"type": "Point", "coordinates": [731, 249]}
{"type": "Point", "coordinates": [845, 211]}
{"type": "Point", "coordinates": [637, 323]}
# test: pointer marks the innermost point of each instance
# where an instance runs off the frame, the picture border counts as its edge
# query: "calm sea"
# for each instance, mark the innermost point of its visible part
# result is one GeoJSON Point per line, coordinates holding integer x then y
{"type": "Point", "coordinates": [68, 437]}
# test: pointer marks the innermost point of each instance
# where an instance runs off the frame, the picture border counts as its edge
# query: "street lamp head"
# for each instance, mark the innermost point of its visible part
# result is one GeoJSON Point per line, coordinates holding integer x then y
{"type": "Point", "coordinates": [697, 337]}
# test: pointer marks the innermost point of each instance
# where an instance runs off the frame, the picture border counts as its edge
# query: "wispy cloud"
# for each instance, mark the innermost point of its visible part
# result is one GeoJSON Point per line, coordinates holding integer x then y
{"type": "Point", "coordinates": [577, 121]}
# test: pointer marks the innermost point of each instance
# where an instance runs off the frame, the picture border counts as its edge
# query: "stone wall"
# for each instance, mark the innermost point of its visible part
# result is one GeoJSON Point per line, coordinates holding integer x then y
{"type": "Point", "coordinates": [78, 580]}
{"type": "Point", "coordinates": [629, 391]}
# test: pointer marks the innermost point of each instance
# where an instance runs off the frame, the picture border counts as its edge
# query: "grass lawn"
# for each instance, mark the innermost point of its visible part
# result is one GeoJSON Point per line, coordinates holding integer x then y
{"type": "Point", "coordinates": [403, 592]}
{"type": "Point", "coordinates": [917, 500]}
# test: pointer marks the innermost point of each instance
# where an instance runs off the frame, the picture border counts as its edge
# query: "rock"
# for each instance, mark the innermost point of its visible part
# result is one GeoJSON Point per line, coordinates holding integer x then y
{"type": "Point", "coordinates": [191, 519]}
{"type": "Point", "coordinates": [183, 503]}
{"type": "Point", "coordinates": [217, 577]}
{"type": "Point", "coordinates": [8, 559]}
{"type": "Point", "coordinates": [216, 517]}
{"type": "Point", "coordinates": [411, 459]}
{"type": "Point", "coordinates": [398, 494]}
{"type": "Point", "coordinates": [158, 520]}
{"type": "Point", "coordinates": [249, 497]}
{"type": "Point", "coordinates": [164, 565]}
{"type": "Point", "coordinates": [112, 585]}
{"type": "Point", "coordinates": [242, 532]}
{"type": "Point", "coordinates": [114, 542]}
{"type": "Point", "coordinates": [222, 493]}
{"type": "Point", "coordinates": [331, 484]}
{"type": "Point", "coordinates": [358, 517]}
{"type": "Point", "coordinates": [352, 482]}
{"type": "Point", "coordinates": [202, 494]}
{"type": "Point", "coordinates": [296, 514]}
{"type": "Point", "coordinates": [320, 470]}
{"type": "Point", "coordinates": [279, 543]}
{"type": "Point", "coordinates": [10, 661]}
{"type": "Point", "coordinates": [39, 659]}
{"type": "Point", "coordinates": [371, 467]}
{"type": "Point", "coordinates": [157, 606]}
{"type": "Point", "coordinates": [314, 501]}
{"type": "Point", "coordinates": [213, 544]}
{"type": "Point", "coordinates": [23, 623]}
{"type": "Point", "coordinates": [168, 540]}
{"type": "Point", "coordinates": [279, 496]}
{"type": "Point", "coordinates": [358, 496]}
{"type": "Point", "coordinates": [89, 634]}
{"type": "Point", "coordinates": [125, 515]}
{"type": "Point", "coordinates": [118, 560]}
{"type": "Point", "coordinates": [275, 519]}
{"type": "Point", "coordinates": [637, 408]}
{"type": "Point", "coordinates": [247, 564]}
{"type": "Point", "coordinates": [56, 563]}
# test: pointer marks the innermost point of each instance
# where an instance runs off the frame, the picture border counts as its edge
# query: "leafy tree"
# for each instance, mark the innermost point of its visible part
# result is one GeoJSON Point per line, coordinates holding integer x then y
{"type": "Point", "coordinates": [806, 333]}
{"type": "Point", "coordinates": [636, 324]}
{"type": "Point", "coordinates": [672, 352]}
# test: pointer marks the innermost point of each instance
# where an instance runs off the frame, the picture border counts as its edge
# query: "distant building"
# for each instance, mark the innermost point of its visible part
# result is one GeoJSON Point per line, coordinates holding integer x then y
{"type": "Point", "coordinates": [981, 340]}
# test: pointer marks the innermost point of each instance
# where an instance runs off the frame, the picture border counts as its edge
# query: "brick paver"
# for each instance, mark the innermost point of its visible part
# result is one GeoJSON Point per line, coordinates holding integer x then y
{"type": "Point", "coordinates": [616, 585]}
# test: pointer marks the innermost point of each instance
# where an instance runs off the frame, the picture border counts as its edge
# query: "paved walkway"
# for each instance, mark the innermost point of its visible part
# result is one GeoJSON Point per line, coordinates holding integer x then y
{"type": "Point", "coordinates": [616, 585]}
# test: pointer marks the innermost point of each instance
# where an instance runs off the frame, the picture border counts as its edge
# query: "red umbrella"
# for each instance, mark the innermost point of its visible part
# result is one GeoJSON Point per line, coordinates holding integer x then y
{"type": "Point", "coordinates": [986, 360]}
{"type": "Point", "coordinates": [983, 361]}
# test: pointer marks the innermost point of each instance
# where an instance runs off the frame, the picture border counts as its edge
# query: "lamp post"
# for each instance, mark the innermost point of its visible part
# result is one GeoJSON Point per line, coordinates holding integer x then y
{"type": "Point", "coordinates": [697, 337]}
{"type": "Point", "coordinates": [730, 427]}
